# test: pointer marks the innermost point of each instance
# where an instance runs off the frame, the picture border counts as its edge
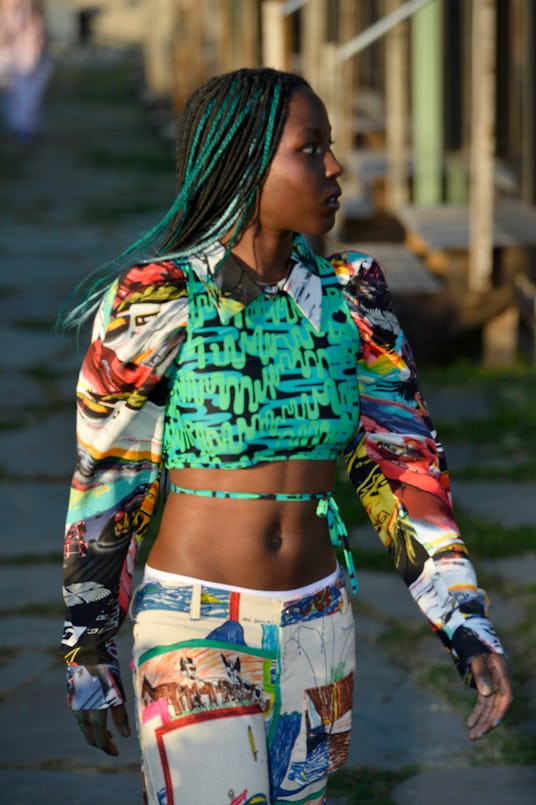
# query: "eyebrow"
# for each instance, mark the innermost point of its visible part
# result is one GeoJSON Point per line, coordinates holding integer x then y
{"type": "Point", "coordinates": [309, 132]}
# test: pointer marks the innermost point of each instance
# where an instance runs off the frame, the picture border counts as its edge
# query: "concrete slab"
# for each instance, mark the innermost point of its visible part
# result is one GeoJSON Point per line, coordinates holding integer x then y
{"type": "Point", "coordinates": [490, 785]}
{"type": "Point", "coordinates": [397, 724]}
{"type": "Point", "coordinates": [29, 348]}
{"type": "Point", "coordinates": [517, 569]}
{"type": "Point", "coordinates": [37, 729]}
{"type": "Point", "coordinates": [46, 449]}
{"type": "Point", "coordinates": [33, 522]}
{"type": "Point", "coordinates": [454, 404]}
{"type": "Point", "coordinates": [84, 787]}
{"type": "Point", "coordinates": [510, 503]}
{"type": "Point", "coordinates": [21, 631]}
{"type": "Point", "coordinates": [29, 586]}
{"type": "Point", "coordinates": [387, 594]}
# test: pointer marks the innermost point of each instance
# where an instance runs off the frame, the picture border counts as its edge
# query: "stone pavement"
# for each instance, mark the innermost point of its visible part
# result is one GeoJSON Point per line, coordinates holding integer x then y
{"type": "Point", "coordinates": [58, 222]}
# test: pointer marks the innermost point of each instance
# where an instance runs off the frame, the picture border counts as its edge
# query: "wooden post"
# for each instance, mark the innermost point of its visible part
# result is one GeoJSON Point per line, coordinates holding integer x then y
{"type": "Point", "coordinates": [157, 48]}
{"type": "Point", "coordinates": [482, 145]}
{"type": "Point", "coordinates": [331, 90]}
{"type": "Point", "coordinates": [187, 66]}
{"type": "Point", "coordinates": [249, 33]}
{"type": "Point", "coordinates": [396, 112]}
{"type": "Point", "coordinates": [528, 170]}
{"type": "Point", "coordinates": [226, 37]}
{"type": "Point", "coordinates": [275, 35]}
{"type": "Point", "coordinates": [348, 76]}
{"type": "Point", "coordinates": [427, 97]}
{"type": "Point", "coordinates": [313, 35]}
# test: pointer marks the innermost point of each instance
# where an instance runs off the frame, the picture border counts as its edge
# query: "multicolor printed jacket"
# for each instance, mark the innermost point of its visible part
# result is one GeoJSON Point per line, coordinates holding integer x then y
{"type": "Point", "coordinates": [394, 459]}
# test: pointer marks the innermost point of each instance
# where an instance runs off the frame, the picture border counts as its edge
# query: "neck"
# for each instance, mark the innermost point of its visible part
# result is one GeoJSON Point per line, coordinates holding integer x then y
{"type": "Point", "coordinates": [267, 256]}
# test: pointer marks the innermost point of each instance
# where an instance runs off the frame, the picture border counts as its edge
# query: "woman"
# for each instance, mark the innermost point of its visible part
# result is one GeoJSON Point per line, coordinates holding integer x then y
{"type": "Point", "coordinates": [241, 365]}
{"type": "Point", "coordinates": [25, 66]}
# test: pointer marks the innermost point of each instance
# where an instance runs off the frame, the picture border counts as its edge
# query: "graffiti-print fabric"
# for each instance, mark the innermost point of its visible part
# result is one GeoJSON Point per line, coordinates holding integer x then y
{"type": "Point", "coordinates": [393, 457]}
{"type": "Point", "coordinates": [273, 381]}
{"type": "Point", "coordinates": [242, 698]}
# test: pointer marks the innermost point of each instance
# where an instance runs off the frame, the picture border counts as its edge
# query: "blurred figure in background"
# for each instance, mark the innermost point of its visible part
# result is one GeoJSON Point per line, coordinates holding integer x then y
{"type": "Point", "coordinates": [25, 67]}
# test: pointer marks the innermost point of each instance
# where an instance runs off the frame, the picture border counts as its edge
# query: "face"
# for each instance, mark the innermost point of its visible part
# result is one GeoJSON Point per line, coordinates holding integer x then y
{"type": "Point", "coordinates": [301, 191]}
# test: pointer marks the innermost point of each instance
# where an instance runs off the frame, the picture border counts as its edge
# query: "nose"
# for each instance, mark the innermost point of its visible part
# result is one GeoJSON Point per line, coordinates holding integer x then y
{"type": "Point", "coordinates": [332, 165]}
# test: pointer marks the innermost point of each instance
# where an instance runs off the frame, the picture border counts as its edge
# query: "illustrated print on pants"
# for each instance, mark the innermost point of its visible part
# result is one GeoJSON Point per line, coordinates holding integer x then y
{"type": "Point", "coordinates": [255, 707]}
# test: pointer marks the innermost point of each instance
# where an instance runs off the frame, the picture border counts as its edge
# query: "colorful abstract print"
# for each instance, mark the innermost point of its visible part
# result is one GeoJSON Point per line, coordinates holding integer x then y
{"type": "Point", "coordinates": [393, 458]}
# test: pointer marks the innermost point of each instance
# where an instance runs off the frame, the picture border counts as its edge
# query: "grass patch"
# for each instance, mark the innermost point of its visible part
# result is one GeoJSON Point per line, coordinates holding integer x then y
{"type": "Point", "coordinates": [151, 162]}
{"type": "Point", "coordinates": [30, 415]}
{"type": "Point", "coordinates": [522, 471]}
{"type": "Point", "coordinates": [508, 430]}
{"type": "Point", "coordinates": [9, 654]}
{"type": "Point", "coordinates": [367, 786]}
{"type": "Point", "coordinates": [401, 641]}
{"type": "Point", "coordinates": [104, 212]}
{"type": "Point", "coordinates": [43, 373]}
{"type": "Point", "coordinates": [109, 83]}
{"type": "Point", "coordinates": [35, 325]}
{"type": "Point", "coordinates": [502, 747]}
{"type": "Point", "coordinates": [28, 559]}
{"type": "Point", "coordinates": [491, 540]}
{"type": "Point", "coordinates": [7, 290]}
{"type": "Point", "coordinates": [39, 610]}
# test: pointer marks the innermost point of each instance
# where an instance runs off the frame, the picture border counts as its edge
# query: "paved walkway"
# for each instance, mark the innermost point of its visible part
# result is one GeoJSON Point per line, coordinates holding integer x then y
{"type": "Point", "coordinates": [60, 203]}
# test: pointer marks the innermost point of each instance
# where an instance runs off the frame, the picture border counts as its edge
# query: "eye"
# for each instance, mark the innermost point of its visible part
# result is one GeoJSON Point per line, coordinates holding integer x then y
{"type": "Point", "coordinates": [317, 149]}
{"type": "Point", "coordinates": [312, 148]}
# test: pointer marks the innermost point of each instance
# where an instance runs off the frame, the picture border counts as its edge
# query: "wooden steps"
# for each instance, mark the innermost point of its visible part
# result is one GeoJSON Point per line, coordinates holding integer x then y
{"type": "Point", "coordinates": [439, 233]}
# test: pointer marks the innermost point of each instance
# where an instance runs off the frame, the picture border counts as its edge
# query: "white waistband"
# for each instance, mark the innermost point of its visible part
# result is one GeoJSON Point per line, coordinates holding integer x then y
{"type": "Point", "coordinates": [152, 574]}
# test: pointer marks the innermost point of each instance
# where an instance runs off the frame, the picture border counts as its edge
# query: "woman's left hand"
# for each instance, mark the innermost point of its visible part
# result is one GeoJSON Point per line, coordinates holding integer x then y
{"type": "Point", "coordinates": [492, 679]}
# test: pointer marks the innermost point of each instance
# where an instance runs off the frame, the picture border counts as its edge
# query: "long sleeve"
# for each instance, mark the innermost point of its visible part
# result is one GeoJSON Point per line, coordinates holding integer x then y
{"type": "Point", "coordinates": [120, 410]}
{"type": "Point", "coordinates": [397, 466]}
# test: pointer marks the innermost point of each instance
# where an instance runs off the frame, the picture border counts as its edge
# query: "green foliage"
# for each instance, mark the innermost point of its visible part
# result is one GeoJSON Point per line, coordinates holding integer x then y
{"type": "Point", "coordinates": [488, 539]}
{"type": "Point", "coordinates": [154, 161]}
{"type": "Point", "coordinates": [505, 433]}
{"type": "Point", "coordinates": [114, 82]}
{"type": "Point", "coordinates": [367, 786]}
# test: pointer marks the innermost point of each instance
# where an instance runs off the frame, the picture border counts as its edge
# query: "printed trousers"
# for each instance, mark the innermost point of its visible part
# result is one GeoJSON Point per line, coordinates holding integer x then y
{"type": "Point", "coordinates": [242, 698]}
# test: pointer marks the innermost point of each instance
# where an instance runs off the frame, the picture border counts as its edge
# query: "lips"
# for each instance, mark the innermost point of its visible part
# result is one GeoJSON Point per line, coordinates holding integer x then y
{"type": "Point", "coordinates": [332, 201]}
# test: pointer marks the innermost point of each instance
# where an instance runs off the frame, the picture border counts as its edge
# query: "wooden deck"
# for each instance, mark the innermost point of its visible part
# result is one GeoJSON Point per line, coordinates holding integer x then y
{"type": "Point", "coordinates": [440, 232]}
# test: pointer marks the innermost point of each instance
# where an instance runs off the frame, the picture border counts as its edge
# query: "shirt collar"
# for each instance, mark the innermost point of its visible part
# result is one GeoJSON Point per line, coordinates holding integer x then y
{"type": "Point", "coordinates": [231, 289]}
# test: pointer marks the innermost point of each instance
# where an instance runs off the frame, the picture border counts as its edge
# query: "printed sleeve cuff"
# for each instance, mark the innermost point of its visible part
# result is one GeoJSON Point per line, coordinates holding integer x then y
{"type": "Point", "coordinates": [476, 636]}
{"type": "Point", "coordinates": [93, 687]}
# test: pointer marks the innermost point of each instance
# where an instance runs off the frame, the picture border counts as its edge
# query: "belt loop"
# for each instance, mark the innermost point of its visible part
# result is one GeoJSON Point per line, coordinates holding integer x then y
{"type": "Point", "coordinates": [195, 603]}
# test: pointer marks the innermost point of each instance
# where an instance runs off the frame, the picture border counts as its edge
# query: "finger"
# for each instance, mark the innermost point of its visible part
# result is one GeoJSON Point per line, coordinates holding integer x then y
{"type": "Point", "coordinates": [482, 675]}
{"type": "Point", "coordinates": [82, 720]}
{"type": "Point", "coordinates": [494, 694]}
{"type": "Point", "coordinates": [93, 725]}
{"type": "Point", "coordinates": [120, 719]}
{"type": "Point", "coordinates": [100, 733]}
{"type": "Point", "coordinates": [502, 685]}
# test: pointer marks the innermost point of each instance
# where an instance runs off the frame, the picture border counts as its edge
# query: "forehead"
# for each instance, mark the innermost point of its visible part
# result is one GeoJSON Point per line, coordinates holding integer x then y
{"type": "Point", "coordinates": [306, 112]}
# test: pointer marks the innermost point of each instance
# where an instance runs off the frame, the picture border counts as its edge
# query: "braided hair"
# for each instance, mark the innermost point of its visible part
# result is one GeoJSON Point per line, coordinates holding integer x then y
{"type": "Point", "coordinates": [227, 137]}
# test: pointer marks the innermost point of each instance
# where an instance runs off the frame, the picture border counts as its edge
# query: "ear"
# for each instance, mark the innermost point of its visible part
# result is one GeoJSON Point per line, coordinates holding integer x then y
{"type": "Point", "coordinates": [237, 664]}
{"type": "Point", "coordinates": [224, 658]}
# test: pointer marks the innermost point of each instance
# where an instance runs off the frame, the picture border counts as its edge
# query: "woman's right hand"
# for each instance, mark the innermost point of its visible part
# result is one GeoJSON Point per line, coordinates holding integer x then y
{"type": "Point", "coordinates": [93, 724]}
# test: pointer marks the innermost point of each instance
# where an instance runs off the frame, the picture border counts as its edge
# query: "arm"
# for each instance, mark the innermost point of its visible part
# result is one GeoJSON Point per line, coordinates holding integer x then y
{"type": "Point", "coordinates": [398, 468]}
{"type": "Point", "coordinates": [120, 399]}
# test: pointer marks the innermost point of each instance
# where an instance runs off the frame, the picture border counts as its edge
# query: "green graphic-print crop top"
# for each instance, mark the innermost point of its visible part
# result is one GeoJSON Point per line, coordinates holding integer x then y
{"type": "Point", "coordinates": [258, 388]}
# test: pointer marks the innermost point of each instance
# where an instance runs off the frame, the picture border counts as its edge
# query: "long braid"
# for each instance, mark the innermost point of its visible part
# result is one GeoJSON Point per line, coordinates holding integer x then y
{"type": "Point", "coordinates": [227, 137]}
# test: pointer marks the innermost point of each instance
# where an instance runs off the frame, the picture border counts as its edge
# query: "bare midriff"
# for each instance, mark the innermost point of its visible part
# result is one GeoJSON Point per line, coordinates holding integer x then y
{"type": "Point", "coordinates": [260, 544]}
